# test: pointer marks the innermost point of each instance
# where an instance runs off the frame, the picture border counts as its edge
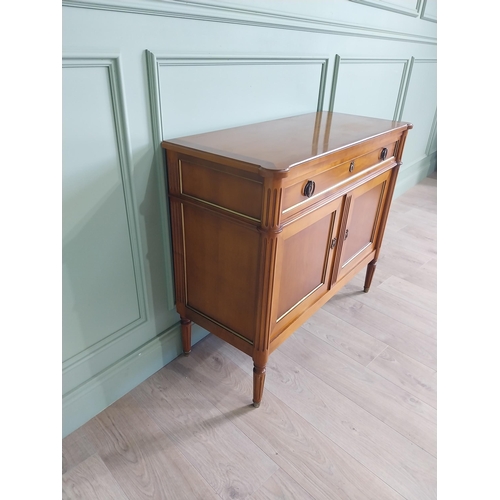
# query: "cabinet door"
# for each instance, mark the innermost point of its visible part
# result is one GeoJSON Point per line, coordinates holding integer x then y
{"type": "Point", "coordinates": [363, 210]}
{"type": "Point", "coordinates": [305, 257]}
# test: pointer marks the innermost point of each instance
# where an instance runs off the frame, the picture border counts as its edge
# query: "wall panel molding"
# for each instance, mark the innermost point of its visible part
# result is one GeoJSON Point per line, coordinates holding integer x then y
{"type": "Point", "coordinates": [402, 85]}
{"type": "Point", "coordinates": [426, 15]}
{"type": "Point", "coordinates": [249, 17]}
{"type": "Point", "coordinates": [393, 6]}
{"type": "Point", "coordinates": [413, 61]}
{"type": "Point", "coordinates": [112, 65]}
{"type": "Point", "coordinates": [159, 159]}
{"type": "Point", "coordinates": [428, 149]}
{"type": "Point", "coordinates": [432, 143]}
{"type": "Point", "coordinates": [414, 173]}
{"type": "Point", "coordinates": [96, 394]}
{"type": "Point", "coordinates": [154, 63]}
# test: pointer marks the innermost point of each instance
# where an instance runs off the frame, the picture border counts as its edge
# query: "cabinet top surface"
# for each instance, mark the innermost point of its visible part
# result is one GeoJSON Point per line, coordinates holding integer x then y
{"type": "Point", "coordinates": [281, 144]}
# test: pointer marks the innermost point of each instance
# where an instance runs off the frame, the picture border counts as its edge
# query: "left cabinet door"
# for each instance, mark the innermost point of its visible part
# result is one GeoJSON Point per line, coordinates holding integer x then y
{"type": "Point", "coordinates": [305, 256]}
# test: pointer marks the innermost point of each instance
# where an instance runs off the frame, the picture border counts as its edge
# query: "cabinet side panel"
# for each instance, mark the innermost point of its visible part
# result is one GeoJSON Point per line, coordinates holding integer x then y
{"type": "Point", "coordinates": [221, 259]}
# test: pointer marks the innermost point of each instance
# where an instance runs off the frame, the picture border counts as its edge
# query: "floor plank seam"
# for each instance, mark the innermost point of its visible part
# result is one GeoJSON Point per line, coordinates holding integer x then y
{"type": "Point", "coordinates": [387, 345]}
{"type": "Point", "coordinates": [390, 317]}
{"type": "Point", "coordinates": [332, 345]}
{"type": "Point", "coordinates": [396, 349]}
{"type": "Point", "coordinates": [405, 389]}
{"type": "Point", "coordinates": [364, 409]}
{"type": "Point", "coordinates": [74, 466]}
{"type": "Point", "coordinates": [339, 445]}
{"type": "Point", "coordinates": [178, 448]}
{"type": "Point", "coordinates": [377, 356]}
{"type": "Point", "coordinates": [222, 415]}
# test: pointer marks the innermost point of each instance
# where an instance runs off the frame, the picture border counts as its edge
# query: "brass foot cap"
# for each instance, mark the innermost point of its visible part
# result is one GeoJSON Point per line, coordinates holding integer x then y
{"type": "Point", "coordinates": [187, 353]}
{"type": "Point", "coordinates": [256, 405]}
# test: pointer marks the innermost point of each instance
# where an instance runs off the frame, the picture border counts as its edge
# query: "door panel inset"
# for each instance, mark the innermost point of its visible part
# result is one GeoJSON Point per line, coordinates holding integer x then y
{"type": "Point", "coordinates": [359, 232]}
{"type": "Point", "coordinates": [305, 259]}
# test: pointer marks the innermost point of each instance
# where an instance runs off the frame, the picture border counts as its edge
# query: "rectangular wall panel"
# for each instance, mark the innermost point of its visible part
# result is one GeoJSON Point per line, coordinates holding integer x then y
{"type": "Point", "coordinates": [407, 7]}
{"type": "Point", "coordinates": [222, 93]}
{"type": "Point", "coordinates": [368, 87]}
{"type": "Point", "coordinates": [429, 10]}
{"type": "Point", "coordinates": [100, 280]}
{"type": "Point", "coordinates": [419, 107]}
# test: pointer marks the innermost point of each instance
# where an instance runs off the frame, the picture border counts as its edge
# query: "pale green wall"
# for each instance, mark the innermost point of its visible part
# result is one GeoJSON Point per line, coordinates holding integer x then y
{"type": "Point", "coordinates": [138, 71]}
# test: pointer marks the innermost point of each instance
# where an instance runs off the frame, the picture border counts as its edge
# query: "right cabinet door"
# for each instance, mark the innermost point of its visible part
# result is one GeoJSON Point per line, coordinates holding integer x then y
{"type": "Point", "coordinates": [364, 207]}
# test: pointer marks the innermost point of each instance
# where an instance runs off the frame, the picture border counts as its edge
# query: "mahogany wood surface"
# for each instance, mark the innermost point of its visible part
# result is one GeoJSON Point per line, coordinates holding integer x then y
{"type": "Point", "coordinates": [186, 335]}
{"type": "Point", "coordinates": [270, 220]}
{"type": "Point", "coordinates": [281, 144]}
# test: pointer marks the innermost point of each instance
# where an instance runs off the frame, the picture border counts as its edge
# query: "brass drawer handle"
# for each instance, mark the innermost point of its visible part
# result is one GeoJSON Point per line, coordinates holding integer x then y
{"type": "Point", "coordinates": [351, 166]}
{"type": "Point", "coordinates": [309, 188]}
{"type": "Point", "coordinates": [383, 154]}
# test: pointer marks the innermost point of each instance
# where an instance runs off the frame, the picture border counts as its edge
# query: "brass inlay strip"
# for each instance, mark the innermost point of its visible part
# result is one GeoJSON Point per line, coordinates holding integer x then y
{"type": "Point", "coordinates": [379, 207]}
{"type": "Point", "coordinates": [210, 203]}
{"type": "Point", "coordinates": [180, 177]}
{"type": "Point", "coordinates": [329, 245]}
{"type": "Point", "coordinates": [184, 252]}
{"type": "Point", "coordinates": [356, 254]}
{"type": "Point", "coordinates": [299, 302]}
{"type": "Point", "coordinates": [221, 325]}
{"type": "Point", "coordinates": [221, 208]}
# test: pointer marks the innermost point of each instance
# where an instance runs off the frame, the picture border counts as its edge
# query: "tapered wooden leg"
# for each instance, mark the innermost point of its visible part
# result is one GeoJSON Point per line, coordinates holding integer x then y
{"type": "Point", "coordinates": [369, 275]}
{"type": "Point", "coordinates": [186, 335]}
{"type": "Point", "coordinates": [259, 377]}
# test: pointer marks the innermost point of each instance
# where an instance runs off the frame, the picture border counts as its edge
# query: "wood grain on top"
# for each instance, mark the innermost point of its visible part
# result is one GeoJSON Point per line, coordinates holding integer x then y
{"type": "Point", "coordinates": [280, 144]}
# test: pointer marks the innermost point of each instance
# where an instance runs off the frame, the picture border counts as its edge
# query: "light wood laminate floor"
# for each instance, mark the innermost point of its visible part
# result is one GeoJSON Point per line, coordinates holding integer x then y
{"type": "Point", "coordinates": [349, 408]}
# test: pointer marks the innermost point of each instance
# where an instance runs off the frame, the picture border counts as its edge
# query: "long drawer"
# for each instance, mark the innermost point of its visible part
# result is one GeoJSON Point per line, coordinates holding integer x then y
{"type": "Point", "coordinates": [317, 187]}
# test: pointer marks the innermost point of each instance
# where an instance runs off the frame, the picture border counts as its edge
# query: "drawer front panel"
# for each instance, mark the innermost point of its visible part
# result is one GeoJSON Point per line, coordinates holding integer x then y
{"type": "Point", "coordinates": [325, 183]}
{"type": "Point", "coordinates": [224, 190]}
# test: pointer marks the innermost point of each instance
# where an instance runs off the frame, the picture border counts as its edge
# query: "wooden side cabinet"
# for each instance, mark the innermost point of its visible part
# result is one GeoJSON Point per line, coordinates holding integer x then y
{"type": "Point", "coordinates": [270, 220]}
